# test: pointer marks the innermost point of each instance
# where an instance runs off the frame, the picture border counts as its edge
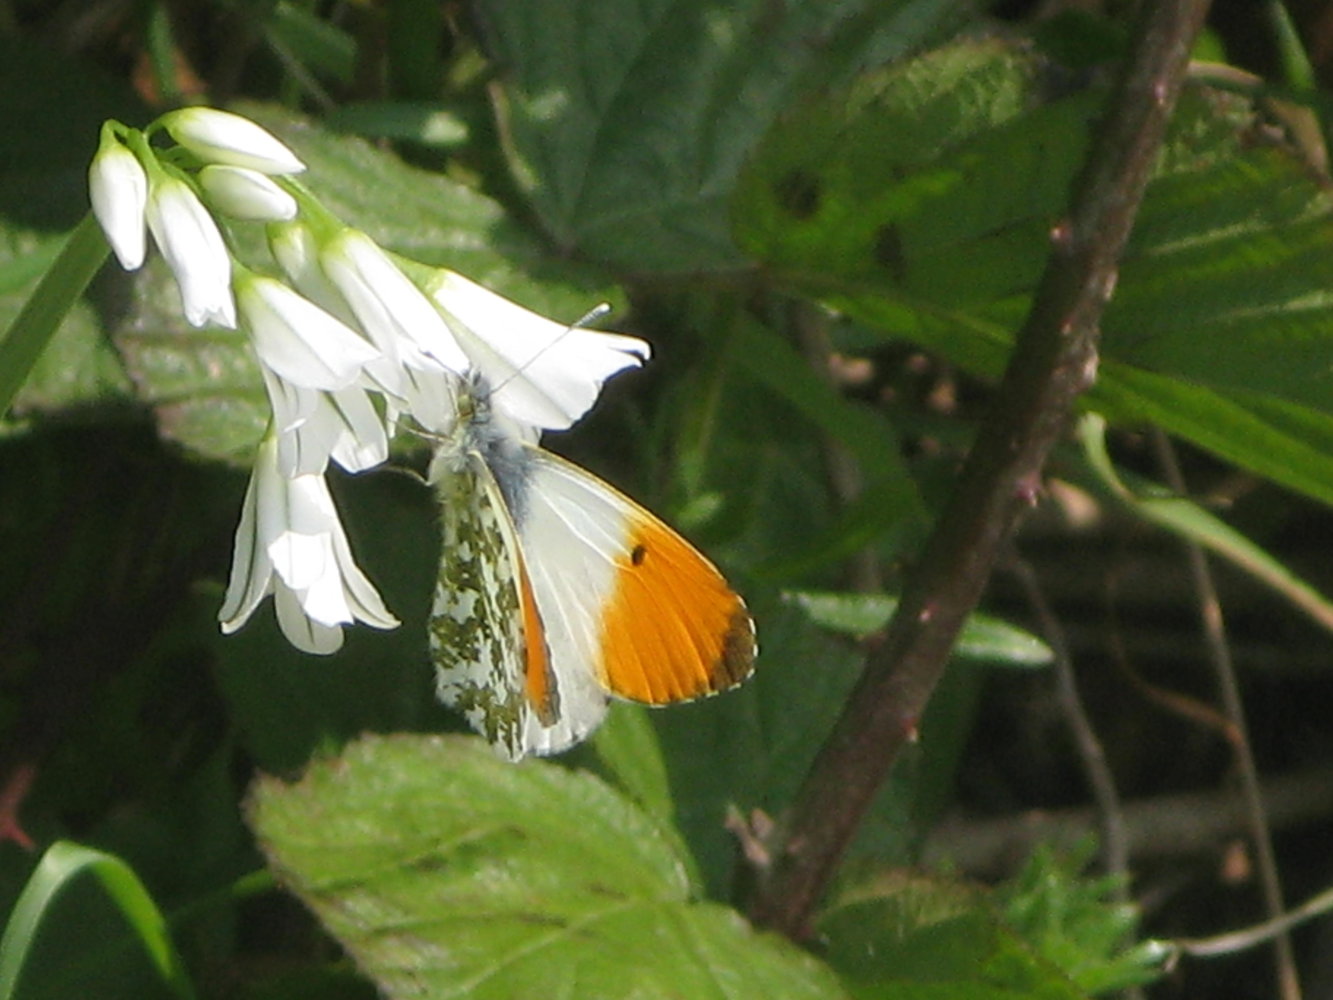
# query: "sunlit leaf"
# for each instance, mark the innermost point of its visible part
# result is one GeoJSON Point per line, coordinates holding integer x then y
{"type": "Point", "coordinates": [447, 872]}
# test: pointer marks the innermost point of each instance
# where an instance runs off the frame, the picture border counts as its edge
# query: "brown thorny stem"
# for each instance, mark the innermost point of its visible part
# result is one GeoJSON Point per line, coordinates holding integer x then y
{"type": "Point", "coordinates": [1054, 359]}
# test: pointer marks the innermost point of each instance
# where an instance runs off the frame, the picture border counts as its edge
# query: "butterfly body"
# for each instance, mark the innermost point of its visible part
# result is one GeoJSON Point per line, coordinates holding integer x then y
{"type": "Point", "coordinates": [557, 592]}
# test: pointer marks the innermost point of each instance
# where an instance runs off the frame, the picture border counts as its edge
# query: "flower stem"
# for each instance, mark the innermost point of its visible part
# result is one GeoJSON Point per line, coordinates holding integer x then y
{"type": "Point", "coordinates": [69, 274]}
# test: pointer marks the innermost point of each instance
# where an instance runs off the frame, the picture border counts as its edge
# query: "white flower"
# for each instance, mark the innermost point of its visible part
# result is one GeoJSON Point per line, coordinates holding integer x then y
{"type": "Point", "coordinates": [296, 250]}
{"type": "Point", "coordinates": [542, 373]}
{"type": "Point", "coordinates": [118, 188]}
{"type": "Point", "coordinates": [245, 194]}
{"type": "Point", "coordinates": [296, 338]}
{"type": "Point", "coordinates": [291, 544]}
{"type": "Point", "coordinates": [397, 315]}
{"type": "Point", "coordinates": [314, 426]}
{"type": "Point", "coordinates": [314, 370]}
{"type": "Point", "coordinates": [189, 240]}
{"type": "Point", "coordinates": [222, 137]}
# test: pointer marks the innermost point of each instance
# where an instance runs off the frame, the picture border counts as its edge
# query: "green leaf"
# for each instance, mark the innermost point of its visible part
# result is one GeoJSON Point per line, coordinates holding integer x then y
{"type": "Point", "coordinates": [911, 937]}
{"type": "Point", "coordinates": [919, 201]}
{"type": "Point", "coordinates": [629, 124]}
{"type": "Point", "coordinates": [421, 122]}
{"type": "Point", "coordinates": [62, 863]}
{"type": "Point", "coordinates": [1073, 922]}
{"type": "Point", "coordinates": [983, 637]}
{"type": "Point", "coordinates": [627, 748]}
{"type": "Point", "coordinates": [1187, 519]}
{"type": "Point", "coordinates": [447, 872]}
{"type": "Point", "coordinates": [314, 42]}
{"type": "Point", "coordinates": [1282, 441]}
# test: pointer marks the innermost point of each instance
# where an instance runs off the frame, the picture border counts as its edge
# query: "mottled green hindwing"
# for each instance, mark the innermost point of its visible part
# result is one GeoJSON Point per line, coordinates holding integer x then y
{"type": "Point", "coordinates": [476, 630]}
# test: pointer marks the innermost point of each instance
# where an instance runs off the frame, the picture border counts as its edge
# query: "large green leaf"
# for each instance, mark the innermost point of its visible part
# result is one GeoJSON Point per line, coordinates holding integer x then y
{"type": "Point", "coordinates": [629, 123]}
{"type": "Point", "coordinates": [919, 201]}
{"type": "Point", "coordinates": [447, 872]}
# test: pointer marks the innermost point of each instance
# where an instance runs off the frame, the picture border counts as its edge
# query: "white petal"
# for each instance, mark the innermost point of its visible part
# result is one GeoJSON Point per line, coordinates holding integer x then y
{"type": "Point", "coordinates": [302, 552]}
{"type": "Point", "coordinates": [294, 247]}
{"type": "Point", "coordinates": [362, 441]}
{"type": "Point", "coordinates": [251, 571]}
{"type": "Point", "coordinates": [367, 605]}
{"type": "Point", "coordinates": [297, 339]}
{"type": "Point", "coordinates": [118, 189]}
{"type": "Point", "coordinates": [431, 398]}
{"type": "Point", "coordinates": [386, 303]}
{"type": "Point", "coordinates": [306, 635]}
{"type": "Point", "coordinates": [323, 598]}
{"type": "Point", "coordinates": [315, 425]}
{"type": "Point", "coordinates": [291, 544]}
{"type": "Point", "coordinates": [222, 137]}
{"type": "Point", "coordinates": [245, 194]}
{"type": "Point", "coordinates": [541, 373]}
{"type": "Point", "coordinates": [190, 241]}
{"type": "Point", "coordinates": [292, 405]}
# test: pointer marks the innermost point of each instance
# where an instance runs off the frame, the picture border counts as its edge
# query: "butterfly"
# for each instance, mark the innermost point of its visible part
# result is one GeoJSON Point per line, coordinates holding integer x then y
{"type": "Point", "coordinates": [556, 592]}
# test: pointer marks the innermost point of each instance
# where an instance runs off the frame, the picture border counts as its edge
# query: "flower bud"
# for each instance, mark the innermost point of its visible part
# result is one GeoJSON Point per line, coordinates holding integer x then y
{"type": "Point", "coordinates": [245, 194]}
{"type": "Point", "coordinates": [118, 188]}
{"type": "Point", "coordinates": [190, 241]}
{"type": "Point", "coordinates": [222, 137]}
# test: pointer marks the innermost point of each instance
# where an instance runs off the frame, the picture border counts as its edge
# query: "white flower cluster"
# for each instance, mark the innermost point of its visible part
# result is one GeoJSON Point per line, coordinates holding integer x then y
{"type": "Point", "coordinates": [349, 345]}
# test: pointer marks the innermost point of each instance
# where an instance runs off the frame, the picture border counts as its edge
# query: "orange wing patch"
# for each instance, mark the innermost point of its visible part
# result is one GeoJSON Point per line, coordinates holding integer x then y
{"type": "Point", "coordinates": [672, 629]}
{"type": "Point", "coordinates": [538, 678]}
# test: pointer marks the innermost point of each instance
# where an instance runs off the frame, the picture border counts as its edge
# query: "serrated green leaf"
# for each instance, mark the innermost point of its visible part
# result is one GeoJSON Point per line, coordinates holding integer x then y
{"type": "Point", "coordinates": [629, 124]}
{"type": "Point", "coordinates": [1283, 441]}
{"type": "Point", "coordinates": [919, 201]}
{"type": "Point", "coordinates": [450, 873]}
{"type": "Point", "coordinates": [914, 937]}
{"type": "Point", "coordinates": [1074, 922]}
{"type": "Point", "coordinates": [982, 638]}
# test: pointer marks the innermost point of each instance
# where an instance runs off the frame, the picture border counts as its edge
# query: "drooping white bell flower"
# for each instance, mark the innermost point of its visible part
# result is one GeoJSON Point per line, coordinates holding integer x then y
{"type": "Point", "coordinates": [222, 137]}
{"type": "Point", "coordinates": [296, 338]}
{"type": "Point", "coordinates": [314, 370]}
{"type": "Point", "coordinates": [291, 544]}
{"type": "Point", "coordinates": [542, 373]}
{"type": "Point", "coordinates": [314, 426]}
{"type": "Point", "coordinates": [295, 248]}
{"type": "Point", "coordinates": [397, 315]}
{"type": "Point", "coordinates": [245, 194]}
{"type": "Point", "coordinates": [192, 245]}
{"type": "Point", "coordinates": [118, 189]}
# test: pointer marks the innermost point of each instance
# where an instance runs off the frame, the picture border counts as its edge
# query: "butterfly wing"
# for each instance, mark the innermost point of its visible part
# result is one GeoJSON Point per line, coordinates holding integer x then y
{"type": "Point", "coordinates": [491, 657]}
{"type": "Point", "coordinates": [629, 606]}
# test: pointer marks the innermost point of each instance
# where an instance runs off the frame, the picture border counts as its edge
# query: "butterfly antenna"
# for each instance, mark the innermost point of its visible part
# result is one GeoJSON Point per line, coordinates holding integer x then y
{"type": "Point", "coordinates": [584, 321]}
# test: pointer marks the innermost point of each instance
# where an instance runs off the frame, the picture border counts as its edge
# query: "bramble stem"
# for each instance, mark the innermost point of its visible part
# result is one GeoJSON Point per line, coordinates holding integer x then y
{"type": "Point", "coordinates": [1054, 360]}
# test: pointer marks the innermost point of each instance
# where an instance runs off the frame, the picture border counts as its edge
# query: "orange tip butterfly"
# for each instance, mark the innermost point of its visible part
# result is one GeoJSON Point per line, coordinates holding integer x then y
{"type": "Point", "coordinates": [557, 592]}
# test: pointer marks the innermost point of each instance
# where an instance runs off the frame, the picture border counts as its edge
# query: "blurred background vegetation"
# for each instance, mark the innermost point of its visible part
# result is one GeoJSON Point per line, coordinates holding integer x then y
{"type": "Point", "coordinates": [827, 218]}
